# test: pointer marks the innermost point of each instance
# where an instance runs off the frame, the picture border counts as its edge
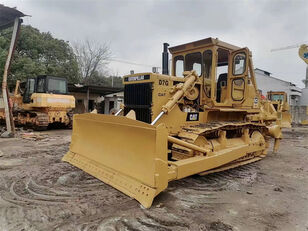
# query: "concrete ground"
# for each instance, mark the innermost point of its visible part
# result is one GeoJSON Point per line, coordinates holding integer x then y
{"type": "Point", "coordinates": [39, 192]}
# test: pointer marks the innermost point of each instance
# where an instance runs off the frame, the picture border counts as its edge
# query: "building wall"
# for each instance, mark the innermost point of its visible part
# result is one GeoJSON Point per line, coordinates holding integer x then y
{"type": "Point", "coordinates": [81, 104]}
{"type": "Point", "coordinates": [117, 100]}
{"type": "Point", "coordinates": [267, 83]}
{"type": "Point", "coordinates": [299, 114]}
{"type": "Point", "coordinates": [103, 106]}
{"type": "Point", "coordinates": [304, 97]}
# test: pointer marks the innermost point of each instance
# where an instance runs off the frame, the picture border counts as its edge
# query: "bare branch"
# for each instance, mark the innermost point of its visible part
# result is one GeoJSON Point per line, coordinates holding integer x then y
{"type": "Point", "coordinates": [92, 58]}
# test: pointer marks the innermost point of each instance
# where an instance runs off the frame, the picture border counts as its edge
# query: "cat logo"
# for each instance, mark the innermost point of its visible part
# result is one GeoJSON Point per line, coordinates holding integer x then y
{"type": "Point", "coordinates": [163, 82]}
{"type": "Point", "coordinates": [192, 116]}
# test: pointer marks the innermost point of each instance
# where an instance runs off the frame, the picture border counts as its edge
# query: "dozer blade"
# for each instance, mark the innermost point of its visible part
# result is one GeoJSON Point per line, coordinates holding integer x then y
{"type": "Point", "coordinates": [127, 154]}
{"type": "Point", "coordinates": [286, 120]}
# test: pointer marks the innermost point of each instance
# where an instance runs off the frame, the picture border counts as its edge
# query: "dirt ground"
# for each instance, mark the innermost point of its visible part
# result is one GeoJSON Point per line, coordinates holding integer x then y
{"type": "Point", "coordinates": [39, 192]}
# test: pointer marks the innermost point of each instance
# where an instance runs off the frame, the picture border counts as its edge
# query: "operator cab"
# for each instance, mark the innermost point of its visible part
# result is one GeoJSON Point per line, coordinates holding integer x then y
{"type": "Point", "coordinates": [277, 96]}
{"type": "Point", "coordinates": [44, 84]}
{"type": "Point", "coordinates": [222, 68]}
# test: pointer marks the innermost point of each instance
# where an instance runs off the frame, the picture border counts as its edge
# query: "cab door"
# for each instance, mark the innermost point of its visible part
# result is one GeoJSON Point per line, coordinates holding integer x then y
{"type": "Point", "coordinates": [29, 90]}
{"type": "Point", "coordinates": [238, 75]}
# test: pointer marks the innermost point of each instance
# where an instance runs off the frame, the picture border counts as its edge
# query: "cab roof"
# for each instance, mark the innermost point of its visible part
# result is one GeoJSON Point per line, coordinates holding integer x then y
{"type": "Point", "coordinates": [202, 43]}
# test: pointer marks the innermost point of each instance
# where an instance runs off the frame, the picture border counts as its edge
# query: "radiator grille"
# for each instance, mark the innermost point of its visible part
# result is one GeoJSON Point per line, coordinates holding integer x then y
{"type": "Point", "coordinates": [139, 98]}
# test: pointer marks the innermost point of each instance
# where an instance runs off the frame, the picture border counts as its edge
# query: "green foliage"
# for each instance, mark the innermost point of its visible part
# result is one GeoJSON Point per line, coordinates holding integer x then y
{"type": "Point", "coordinates": [38, 53]}
{"type": "Point", "coordinates": [117, 81]}
{"type": "Point", "coordinates": [99, 79]}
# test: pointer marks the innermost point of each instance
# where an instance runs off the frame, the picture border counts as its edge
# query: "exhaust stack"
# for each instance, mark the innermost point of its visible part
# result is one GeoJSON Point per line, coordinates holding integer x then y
{"type": "Point", "coordinates": [165, 69]}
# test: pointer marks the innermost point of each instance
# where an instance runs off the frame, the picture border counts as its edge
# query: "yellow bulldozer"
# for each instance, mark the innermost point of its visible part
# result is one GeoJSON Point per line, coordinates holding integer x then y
{"type": "Point", "coordinates": [43, 101]}
{"type": "Point", "coordinates": [203, 118]}
{"type": "Point", "coordinates": [279, 99]}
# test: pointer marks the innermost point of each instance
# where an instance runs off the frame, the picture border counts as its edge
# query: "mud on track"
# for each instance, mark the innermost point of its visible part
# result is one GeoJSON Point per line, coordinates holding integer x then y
{"type": "Point", "coordinates": [39, 192]}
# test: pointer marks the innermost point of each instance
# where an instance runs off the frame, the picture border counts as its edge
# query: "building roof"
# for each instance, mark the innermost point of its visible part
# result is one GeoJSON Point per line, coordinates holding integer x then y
{"type": "Point", "coordinates": [117, 94]}
{"type": "Point", "coordinates": [269, 75]}
{"type": "Point", "coordinates": [8, 15]}
{"type": "Point", "coordinates": [265, 72]}
{"type": "Point", "coordinates": [94, 89]}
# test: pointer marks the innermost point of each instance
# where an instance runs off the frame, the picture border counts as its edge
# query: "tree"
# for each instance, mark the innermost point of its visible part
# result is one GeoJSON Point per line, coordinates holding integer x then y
{"type": "Point", "coordinates": [92, 59]}
{"type": "Point", "coordinates": [38, 53]}
{"type": "Point", "coordinates": [110, 81]}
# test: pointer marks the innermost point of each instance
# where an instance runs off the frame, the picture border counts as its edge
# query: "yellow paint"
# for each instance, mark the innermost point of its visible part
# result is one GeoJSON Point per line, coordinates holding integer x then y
{"type": "Point", "coordinates": [54, 106]}
{"type": "Point", "coordinates": [282, 107]}
{"type": "Point", "coordinates": [195, 134]}
{"type": "Point", "coordinates": [303, 52]}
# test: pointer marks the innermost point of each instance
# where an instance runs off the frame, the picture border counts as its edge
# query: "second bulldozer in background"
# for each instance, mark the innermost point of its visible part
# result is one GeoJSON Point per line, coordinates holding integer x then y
{"type": "Point", "coordinates": [280, 101]}
{"type": "Point", "coordinates": [43, 101]}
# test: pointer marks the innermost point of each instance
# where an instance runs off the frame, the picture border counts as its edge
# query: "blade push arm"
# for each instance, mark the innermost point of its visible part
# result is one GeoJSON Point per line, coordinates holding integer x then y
{"type": "Point", "coordinates": [191, 78]}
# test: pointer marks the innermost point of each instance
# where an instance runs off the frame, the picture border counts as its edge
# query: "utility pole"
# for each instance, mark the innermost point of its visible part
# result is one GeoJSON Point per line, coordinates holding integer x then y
{"type": "Point", "coordinates": [9, 17]}
{"type": "Point", "coordinates": [7, 105]}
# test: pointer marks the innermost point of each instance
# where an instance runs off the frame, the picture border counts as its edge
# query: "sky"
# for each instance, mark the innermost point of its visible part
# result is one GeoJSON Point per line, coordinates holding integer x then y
{"type": "Point", "coordinates": [136, 29]}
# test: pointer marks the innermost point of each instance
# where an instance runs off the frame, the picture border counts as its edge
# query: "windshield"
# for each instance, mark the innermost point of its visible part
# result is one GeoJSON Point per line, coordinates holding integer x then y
{"type": "Point", "coordinates": [193, 62]}
{"type": "Point", "coordinates": [57, 86]}
{"type": "Point", "coordinates": [179, 65]}
{"type": "Point", "coordinates": [277, 97]}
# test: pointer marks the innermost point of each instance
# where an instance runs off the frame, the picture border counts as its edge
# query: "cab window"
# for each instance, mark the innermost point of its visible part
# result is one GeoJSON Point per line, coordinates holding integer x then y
{"type": "Point", "coordinates": [31, 85]}
{"type": "Point", "coordinates": [239, 64]}
{"type": "Point", "coordinates": [40, 85]}
{"type": "Point", "coordinates": [238, 89]}
{"type": "Point", "coordinates": [193, 62]}
{"type": "Point", "coordinates": [207, 57]}
{"type": "Point", "coordinates": [57, 86]}
{"type": "Point", "coordinates": [29, 90]}
{"type": "Point", "coordinates": [179, 65]}
{"type": "Point", "coordinates": [277, 97]}
{"type": "Point", "coordinates": [222, 65]}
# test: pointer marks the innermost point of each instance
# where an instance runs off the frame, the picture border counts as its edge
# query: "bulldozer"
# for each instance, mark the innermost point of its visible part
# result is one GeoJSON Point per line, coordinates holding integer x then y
{"type": "Point", "coordinates": [203, 118]}
{"type": "Point", "coordinates": [40, 102]}
{"type": "Point", "coordinates": [279, 99]}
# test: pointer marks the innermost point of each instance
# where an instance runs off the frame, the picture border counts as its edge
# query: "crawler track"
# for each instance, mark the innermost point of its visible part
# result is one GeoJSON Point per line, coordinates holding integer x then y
{"type": "Point", "coordinates": [32, 119]}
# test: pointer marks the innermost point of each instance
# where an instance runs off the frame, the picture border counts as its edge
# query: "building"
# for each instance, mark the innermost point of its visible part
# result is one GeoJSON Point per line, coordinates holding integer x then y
{"type": "Point", "coordinates": [266, 82]}
{"type": "Point", "coordinates": [296, 96]}
{"type": "Point", "coordinates": [90, 97]}
{"type": "Point", "coordinates": [112, 102]}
